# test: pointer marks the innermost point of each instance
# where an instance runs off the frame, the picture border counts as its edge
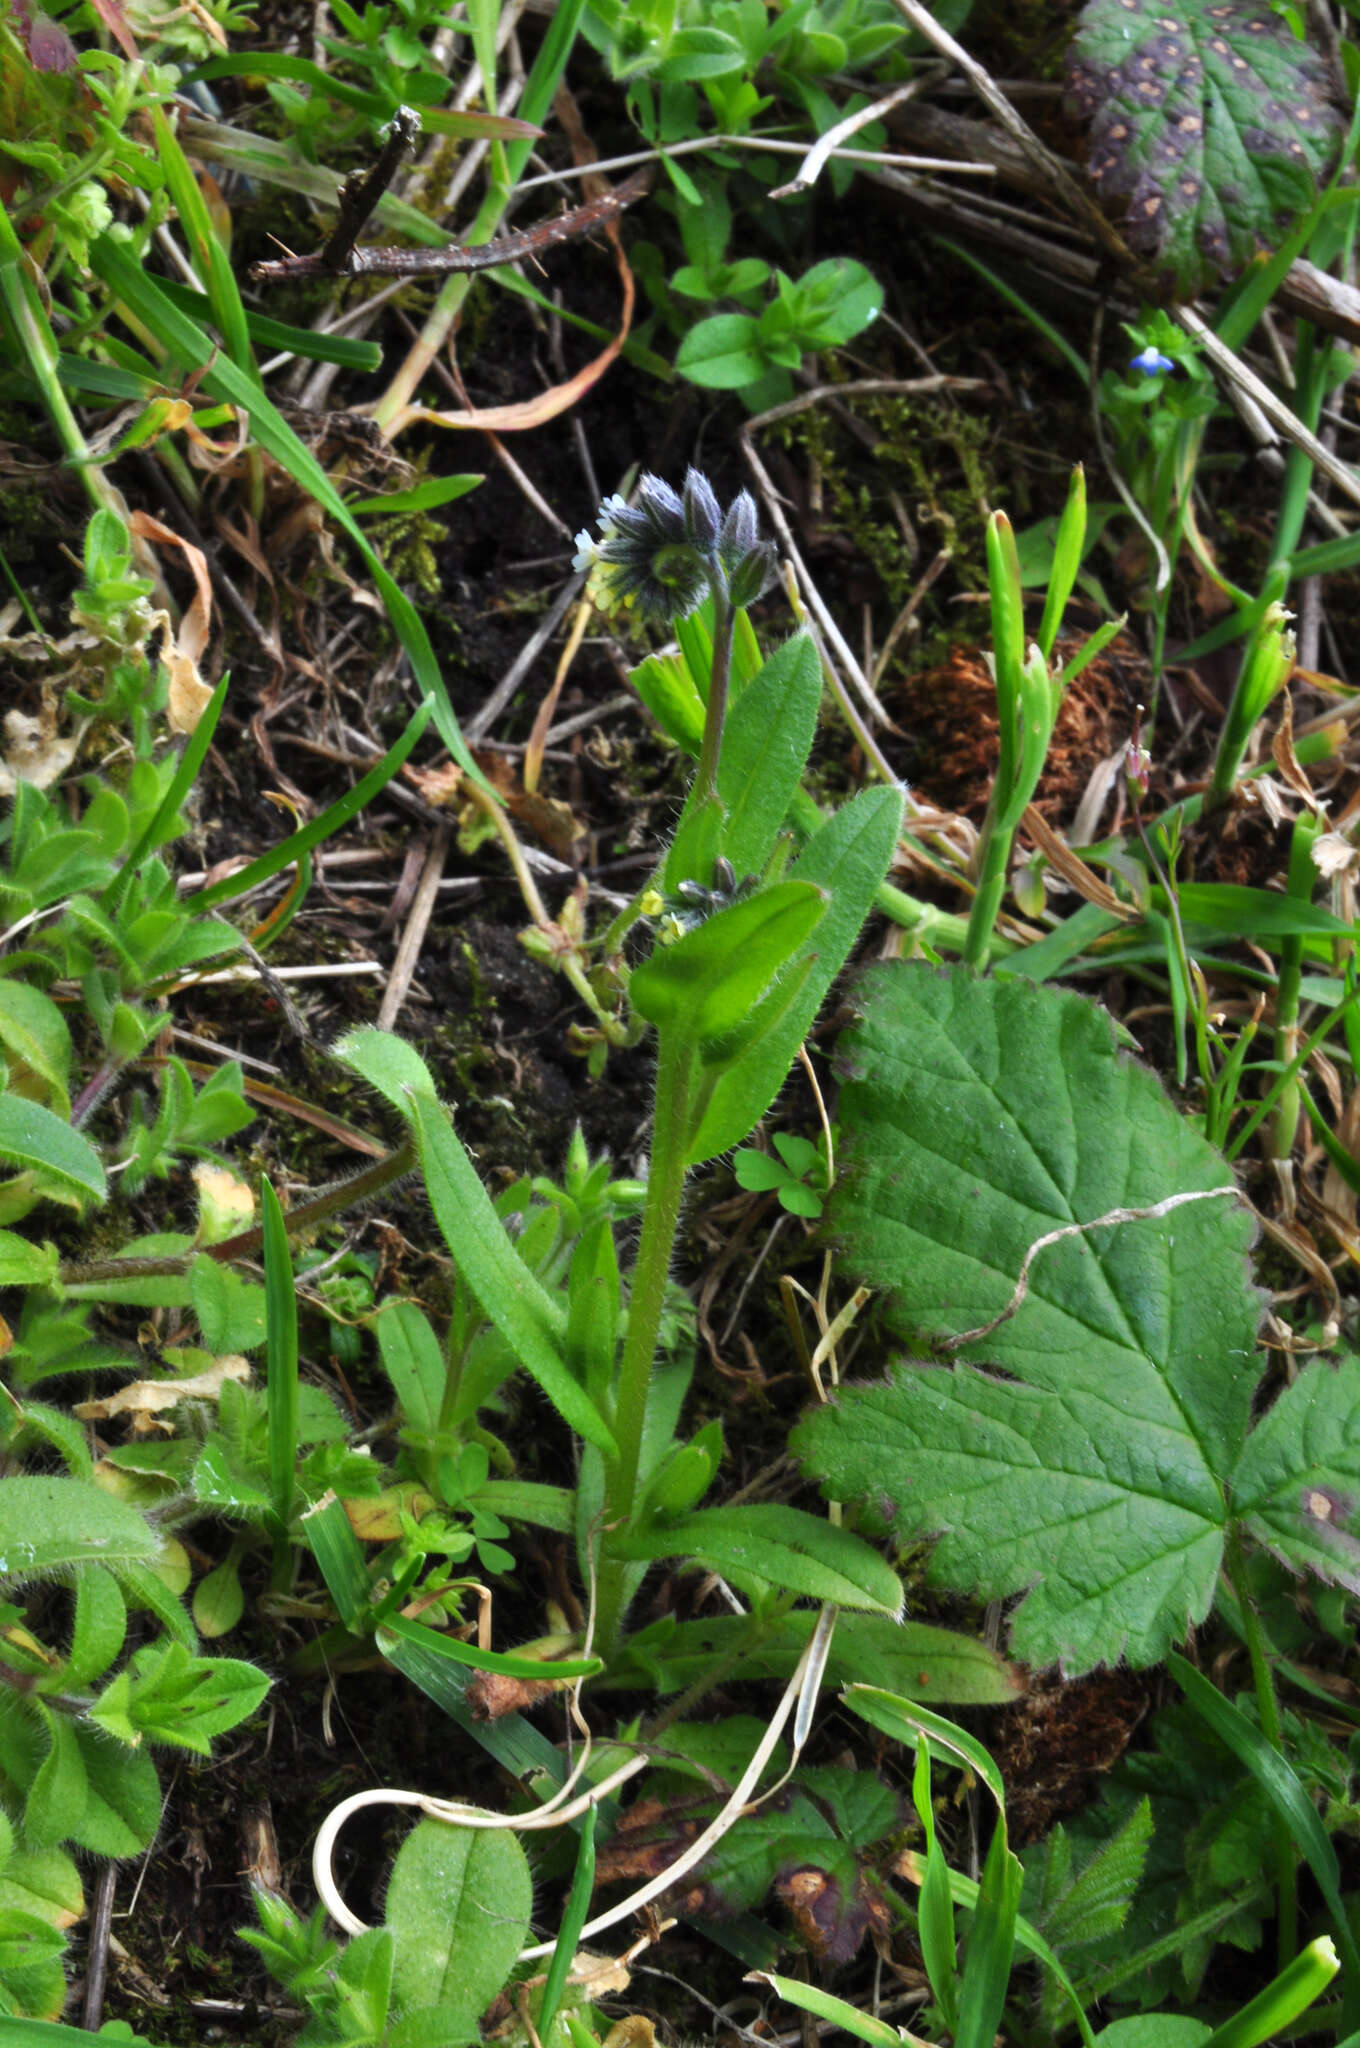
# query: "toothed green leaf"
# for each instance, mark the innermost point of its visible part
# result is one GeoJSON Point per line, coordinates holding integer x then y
{"type": "Point", "coordinates": [981, 1118]}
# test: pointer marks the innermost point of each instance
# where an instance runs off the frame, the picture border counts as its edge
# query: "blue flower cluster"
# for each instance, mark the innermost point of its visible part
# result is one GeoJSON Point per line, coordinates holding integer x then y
{"type": "Point", "coordinates": [665, 553]}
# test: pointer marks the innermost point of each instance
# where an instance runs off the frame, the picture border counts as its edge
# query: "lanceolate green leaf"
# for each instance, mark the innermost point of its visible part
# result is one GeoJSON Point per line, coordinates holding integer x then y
{"type": "Point", "coordinates": [707, 982]}
{"type": "Point", "coordinates": [458, 1906]}
{"type": "Point", "coordinates": [522, 1310]}
{"type": "Point", "coordinates": [526, 1315]}
{"type": "Point", "coordinates": [765, 749]}
{"type": "Point", "coordinates": [98, 1629]}
{"type": "Point", "coordinates": [24, 1263]}
{"type": "Point", "coordinates": [54, 1525]}
{"type": "Point", "coordinates": [388, 1064]}
{"type": "Point", "coordinates": [413, 1362]}
{"type": "Point", "coordinates": [980, 1118]}
{"type": "Point", "coordinates": [33, 1034]}
{"type": "Point", "coordinates": [1251, 913]}
{"type": "Point", "coordinates": [57, 1796]}
{"type": "Point", "coordinates": [122, 1796]}
{"type": "Point", "coordinates": [848, 856]}
{"type": "Point", "coordinates": [32, 1137]}
{"type": "Point", "coordinates": [781, 1546]}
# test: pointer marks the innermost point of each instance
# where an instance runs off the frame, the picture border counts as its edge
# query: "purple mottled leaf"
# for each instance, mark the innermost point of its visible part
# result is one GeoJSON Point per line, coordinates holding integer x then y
{"type": "Point", "coordinates": [1211, 126]}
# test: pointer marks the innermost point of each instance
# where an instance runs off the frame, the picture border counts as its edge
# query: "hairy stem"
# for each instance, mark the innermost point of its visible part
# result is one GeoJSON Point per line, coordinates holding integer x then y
{"type": "Point", "coordinates": [724, 626]}
{"type": "Point", "coordinates": [646, 1301]}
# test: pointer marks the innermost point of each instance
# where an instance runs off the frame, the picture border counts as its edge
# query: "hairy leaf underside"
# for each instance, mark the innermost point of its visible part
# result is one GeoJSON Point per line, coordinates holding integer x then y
{"type": "Point", "coordinates": [1212, 124]}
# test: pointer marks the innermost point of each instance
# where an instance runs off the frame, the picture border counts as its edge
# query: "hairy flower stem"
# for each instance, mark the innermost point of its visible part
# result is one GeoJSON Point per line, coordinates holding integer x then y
{"type": "Point", "coordinates": [724, 627]}
{"type": "Point", "coordinates": [646, 1301]}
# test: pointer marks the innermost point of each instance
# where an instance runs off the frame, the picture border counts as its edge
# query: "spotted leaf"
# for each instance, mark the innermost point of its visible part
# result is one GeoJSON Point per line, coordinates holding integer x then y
{"type": "Point", "coordinates": [1210, 124]}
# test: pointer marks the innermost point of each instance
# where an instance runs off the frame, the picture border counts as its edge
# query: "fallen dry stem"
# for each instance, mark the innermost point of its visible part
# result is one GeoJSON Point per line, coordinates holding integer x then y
{"type": "Point", "coordinates": [1112, 1216]}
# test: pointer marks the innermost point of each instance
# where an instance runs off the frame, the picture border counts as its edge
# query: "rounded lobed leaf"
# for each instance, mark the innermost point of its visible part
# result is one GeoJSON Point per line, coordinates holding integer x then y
{"type": "Point", "coordinates": [1210, 123]}
{"type": "Point", "coordinates": [993, 1130]}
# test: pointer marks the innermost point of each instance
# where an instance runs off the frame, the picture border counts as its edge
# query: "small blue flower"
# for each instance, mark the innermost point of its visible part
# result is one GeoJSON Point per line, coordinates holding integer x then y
{"type": "Point", "coordinates": [740, 530]}
{"type": "Point", "coordinates": [664, 553]}
{"type": "Point", "coordinates": [703, 514]}
{"type": "Point", "coordinates": [1151, 362]}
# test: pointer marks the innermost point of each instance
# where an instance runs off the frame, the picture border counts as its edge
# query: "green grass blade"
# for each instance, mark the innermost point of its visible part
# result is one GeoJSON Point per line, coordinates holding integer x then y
{"type": "Point", "coordinates": [991, 1945]}
{"type": "Point", "coordinates": [1327, 558]}
{"type": "Point", "coordinates": [340, 1556]}
{"type": "Point", "coordinates": [545, 75]}
{"type": "Point", "coordinates": [915, 1725]}
{"type": "Point", "coordinates": [222, 379]}
{"type": "Point", "coordinates": [824, 2005]}
{"type": "Point", "coordinates": [1299, 1985]}
{"type": "Point", "coordinates": [965, 1890]}
{"type": "Point", "coordinates": [514, 1741]}
{"type": "Point", "coordinates": [266, 333]}
{"type": "Point", "coordinates": [935, 1907]}
{"type": "Point", "coordinates": [281, 1347]}
{"type": "Point", "coordinates": [23, 310]}
{"type": "Point", "coordinates": [159, 829]}
{"type": "Point", "coordinates": [573, 1920]}
{"type": "Point", "coordinates": [483, 18]}
{"type": "Point", "coordinates": [1067, 556]}
{"type": "Point", "coordinates": [330, 821]}
{"type": "Point", "coordinates": [276, 163]}
{"type": "Point", "coordinates": [1281, 1785]}
{"type": "Point", "coordinates": [477, 1659]}
{"type": "Point", "coordinates": [1077, 363]}
{"type": "Point", "coordinates": [211, 259]}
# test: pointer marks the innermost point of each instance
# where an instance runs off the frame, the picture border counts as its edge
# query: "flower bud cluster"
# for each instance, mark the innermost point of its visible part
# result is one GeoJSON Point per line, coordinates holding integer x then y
{"type": "Point", "coordinates": [667, 551]}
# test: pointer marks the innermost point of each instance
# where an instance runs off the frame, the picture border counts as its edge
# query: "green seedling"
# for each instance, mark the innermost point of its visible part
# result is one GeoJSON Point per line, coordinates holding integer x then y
{"type": "Point", "coordinates": [730, 996]}
{"type": "Point", "coordinates": [1028, 696]}
{"type": "Point", "coordinates": [755, 354]}
{"type": "Point", "coordinates": [798, 1175]}
{"type": "Point", "coordinates": [80, 1719]}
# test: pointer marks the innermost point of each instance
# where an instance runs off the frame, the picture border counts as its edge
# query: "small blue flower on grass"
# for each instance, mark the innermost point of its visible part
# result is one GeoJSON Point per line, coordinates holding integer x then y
{"type": "Point", "coordinates": [664, 553]}
{"type": "Point", "coordinates": [1151, 362]}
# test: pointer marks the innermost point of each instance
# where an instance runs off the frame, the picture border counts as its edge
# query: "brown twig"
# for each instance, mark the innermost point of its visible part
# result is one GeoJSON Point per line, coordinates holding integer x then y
{"type": "Point", "coordinates": [362, 190]}
{"type": "Point", "coordinates": [381, 261]}
{"type": "Point", "coordinates": [413, 936]}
